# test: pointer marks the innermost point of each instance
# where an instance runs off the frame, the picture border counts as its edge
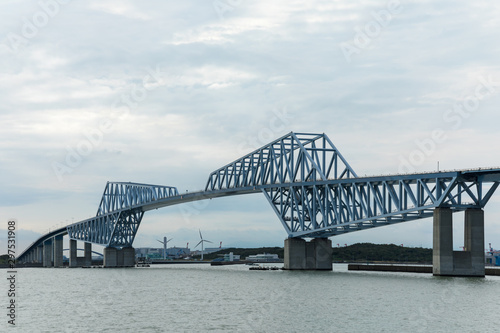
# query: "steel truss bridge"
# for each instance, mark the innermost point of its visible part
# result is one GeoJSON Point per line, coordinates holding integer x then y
{"type": "Point", "coordinates": [310, 186]}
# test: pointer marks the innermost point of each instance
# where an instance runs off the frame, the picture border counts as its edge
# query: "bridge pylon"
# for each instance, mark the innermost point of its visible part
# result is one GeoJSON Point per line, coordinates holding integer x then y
{"type": "Point", "coordinates": [470, 261]}
{"type": "Point", "coordinates": [115, 257]}
{"type": "Point", "coordinates": [303, 255]}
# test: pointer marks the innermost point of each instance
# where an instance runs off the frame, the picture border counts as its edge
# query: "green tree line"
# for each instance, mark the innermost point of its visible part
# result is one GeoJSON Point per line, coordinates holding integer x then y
{"type": "Point", "coordinates": [355, 252]}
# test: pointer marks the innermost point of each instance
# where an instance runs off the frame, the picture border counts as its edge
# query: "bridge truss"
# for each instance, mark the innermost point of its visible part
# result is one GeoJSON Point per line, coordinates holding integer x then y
{"type": "Point", "coordinates": [119, 214]}
{"type": "Point", "coordinates": [333, 207]}
{"type": "Point", "coordinates": [293, 158]}
{"type": "Point", "coordinates": [315, 192]}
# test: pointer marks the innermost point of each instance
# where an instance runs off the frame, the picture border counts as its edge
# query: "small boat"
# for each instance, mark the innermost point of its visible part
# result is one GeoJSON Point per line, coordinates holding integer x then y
{"type": "Point", "coordinates": [264, 268]}
{"type": "Point", "coordinates": [143, 263]}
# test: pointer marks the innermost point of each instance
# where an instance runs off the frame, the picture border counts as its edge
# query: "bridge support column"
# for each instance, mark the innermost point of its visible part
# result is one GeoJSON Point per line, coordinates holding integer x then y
{"type": "Point", "coordinates": [119, 257]}
{"type": "Point", "coordinates": [295, 254]}
{"type": "Point", "coordinates": [47, 253]}
{"type": "Point", "coordinates": [442, 247]}
{"type": "Point", "coordinates": [58, 251]}
{"type": "Point", "coordinates": [302, 255]}
{"type": "Point", "coordinates": [128, 256]}
{"type": "Point", "coordinates": [110, 257]}
{"type": "Point", "coordinates": [323, 253]}
{"type": "Point", "coordinates": [39, 254]}
{"type": "Point", "coordinates": [88, 254]}
{"type": "Point", "coordinates": [474, 239]}
{"type": "Point", "coordinates": [73, 257]}
{"type": "Point", "coordinates": [469, 262]}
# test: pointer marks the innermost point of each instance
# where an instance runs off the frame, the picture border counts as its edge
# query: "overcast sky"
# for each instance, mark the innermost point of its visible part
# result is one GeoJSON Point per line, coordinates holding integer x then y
{"type": "Point", "coordinates": [165, 92]}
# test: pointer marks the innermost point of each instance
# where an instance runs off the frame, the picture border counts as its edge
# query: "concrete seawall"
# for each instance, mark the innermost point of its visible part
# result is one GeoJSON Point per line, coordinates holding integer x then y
{"type": "Point", "coordinates": [390, 268]}
{"type": "Point", "coordinates": [406, 268]}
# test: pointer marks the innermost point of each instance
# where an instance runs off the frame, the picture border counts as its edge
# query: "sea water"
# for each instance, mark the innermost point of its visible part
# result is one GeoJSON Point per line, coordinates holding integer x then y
{"type": "Point", "coordinates": [202, 298]}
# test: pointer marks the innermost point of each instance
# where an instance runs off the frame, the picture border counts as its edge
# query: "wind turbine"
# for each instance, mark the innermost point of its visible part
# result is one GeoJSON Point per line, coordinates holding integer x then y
{"type": "Point", "coordinates": [201, 242]}
{"type": "Point", "coordinates": [165, 242]}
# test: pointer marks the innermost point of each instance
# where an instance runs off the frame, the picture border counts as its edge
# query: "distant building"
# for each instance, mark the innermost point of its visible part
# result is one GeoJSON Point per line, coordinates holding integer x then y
{"type": "Point", "coordinates": [142, 252]}
{"type": "Point", "coordinates": [492, 257]}
{"type": "Point", "coordinates": [264, 257]}
{"type": "Point", "coordinates": [157, 253]}
{"type": "Point", "coordinates": [231, 257]}
{"type": "Point", "coordinates": [178, 252]}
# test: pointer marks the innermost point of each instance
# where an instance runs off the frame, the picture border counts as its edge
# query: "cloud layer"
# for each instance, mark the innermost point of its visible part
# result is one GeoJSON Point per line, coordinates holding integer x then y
{"type": "Point", "coordinates": [165, 92]}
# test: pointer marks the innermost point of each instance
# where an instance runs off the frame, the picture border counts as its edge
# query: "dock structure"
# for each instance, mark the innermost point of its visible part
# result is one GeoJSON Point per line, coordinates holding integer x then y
{"type": "Point", "coordinates": [407, 268]}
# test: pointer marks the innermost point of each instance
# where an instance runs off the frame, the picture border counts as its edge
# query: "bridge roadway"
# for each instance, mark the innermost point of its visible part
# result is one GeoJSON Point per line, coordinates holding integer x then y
{"type": "Point", "coordinates": [315, 194]}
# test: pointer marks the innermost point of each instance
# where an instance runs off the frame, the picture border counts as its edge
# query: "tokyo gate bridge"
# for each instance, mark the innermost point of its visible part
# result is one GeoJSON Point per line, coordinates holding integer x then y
{"type": "Point", "coordinates": [315, 194]}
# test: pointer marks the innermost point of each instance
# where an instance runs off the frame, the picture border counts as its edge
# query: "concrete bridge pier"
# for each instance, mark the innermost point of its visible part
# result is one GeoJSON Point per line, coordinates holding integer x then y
{"type": "Point", "coordinates": [114, 257]}
{"type": "Point", "coordinates": [469, 262]}
{"type": "Point", "coordinates": [313, 255]}
{"type": "Point", "coordinates": [128, 256]}
{"type": "Point", "coordinates": [474, 239]}
{"type": "Point", "coordinates": [58, 251]}
{"type": "Point", "coordinates": [75, 260]}
{"type": "Point", "coordinates": [73, 257]}
{"type": "Point", "coordinates": [87, 249]}
{"type": "Point", "coordinates": [110, 257]}
{"type": "Point", "coordinates": [47, 253]}
{"type": "Point", "coordinates": [39, 254]}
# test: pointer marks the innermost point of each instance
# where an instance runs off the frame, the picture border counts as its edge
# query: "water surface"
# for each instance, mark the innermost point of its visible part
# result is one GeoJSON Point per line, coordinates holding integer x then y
{"type": "Point", "coordinates": [189, 298]}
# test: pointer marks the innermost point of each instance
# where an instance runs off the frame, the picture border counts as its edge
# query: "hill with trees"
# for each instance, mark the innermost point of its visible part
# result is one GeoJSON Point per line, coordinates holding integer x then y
{"type": "Point", "coordinates": [360, 252]}
{"type": "Point", "coordinates": [381, 252]}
